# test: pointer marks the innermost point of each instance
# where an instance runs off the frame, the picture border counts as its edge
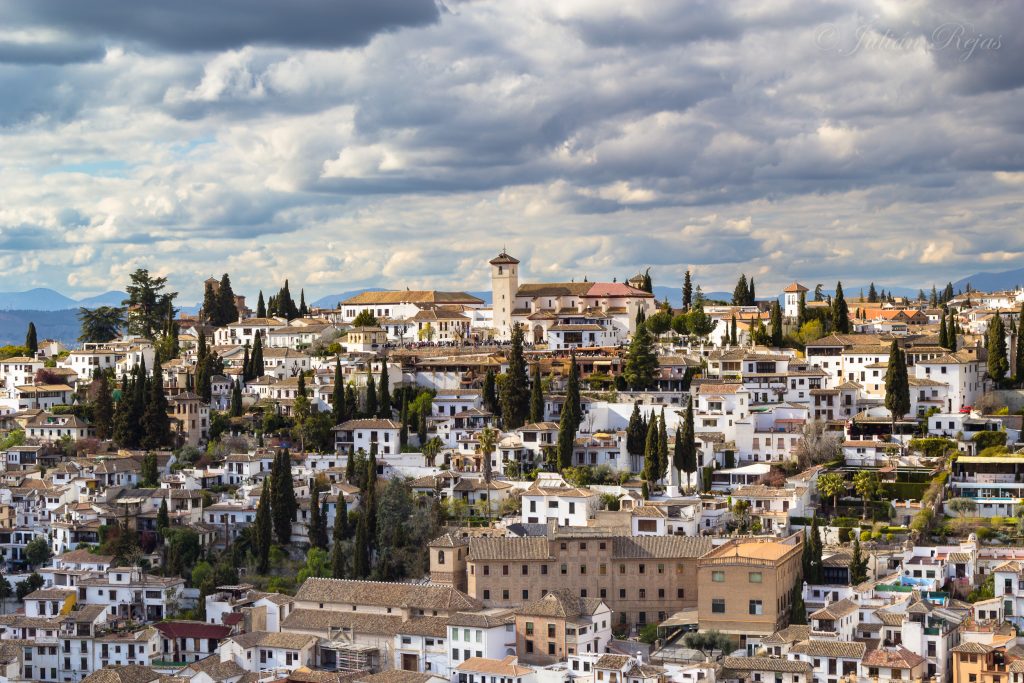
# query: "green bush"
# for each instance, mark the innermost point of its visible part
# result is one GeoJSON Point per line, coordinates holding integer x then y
{"type": "Point", "coordinates": [983, 440]}
{"type": "Point", "coordinates": [933, 446]}
{"type": "Point", "coordinates": [904, 490]}
{"type": "Point", "coordinates": [865, 536]}
{"type": "Point", "coordinates": [844, 535]}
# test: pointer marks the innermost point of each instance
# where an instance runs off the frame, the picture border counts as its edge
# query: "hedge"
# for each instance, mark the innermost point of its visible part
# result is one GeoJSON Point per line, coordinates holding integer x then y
{"type": "Point", "coordinates": [904, 490]}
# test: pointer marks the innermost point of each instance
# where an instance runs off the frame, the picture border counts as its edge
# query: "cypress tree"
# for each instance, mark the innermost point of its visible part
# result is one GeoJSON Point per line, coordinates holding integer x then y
{"type": "Point", "coordinates": [687, 291]}
{"type": "Point", "coordinates": [350, 466]}
{"type": "Point", "coordinates": [157, 423]}
{"type": "Point", "coordinates": [261, 537]}
{"type": "Point", "coordinates": [361, 548]}
{"type": "Point", "coordinates": [149, 473]}
{"type": "Point", "coordinates": [490, 392]}
{"type": "Point", "coordinates": [103, 408]}
{"type": "Point", "coordinates": [302, 303]}
{"type": "Point", "coordinates": [566, 438]}
{"type": "Point", "coordinates": [339, 413]}
{"type": "Point", "coordinates": [515, 391]}
{"type": "Point", "coordinates": [261, 307]}
{"type": "Point", "coordinates": [635, 432]}
{"type": "Point", "coordinates": [801, 309]}
{"type": "Point", "coordinates": [815, 559]}
{"type": "Point", "coordinates": [283, 492]}
{"type": "Point", "coordinates": [421, 427]}
{"type": "Point", "coordinates": [369, 500]}
{"type": "Point", "coordinates": [776, 324]}
{"type": "Point", "coordinates": [797, 609]}
{"type": "Point", "coordinates": [933, 301]}
{"type": "Point", "coordinates": [858, 564]}
{"type": "Point", "coordinates": [897, 386]}
{"type": "Point", "coordinates": [338, 559]}
{"type": "Point", "coordinates": [1018, 365]}
{"type": "Point", "coordinates": [31, 342]}
{"type": "Point", "coordinates": [688, 450]}
{"type": "Point", "coordinates": [384, 392]}
{"type": "Point", "coordinates": [840, 312]}
{"type": "Point", "coordinates": [572, 393]}
{"type": "Point", "coordinates": [872, 294]}
{"type": "Point", "coordinates": [247, 375]}
{"type": "Point", "coordinates": [733, 332]}
{"type": "Point", "coordinates": [227, 311]}
{"type": "Point", "coordinates": [651, 465]}
{"type": "Point", "coordinates": [943, 334]}
{"type": "Point", "coordinates": [662, 446]}
{"type": "Point", "coordinates": [163, 518]}
{"type": "Point", "coordinates": [403, 434]}
{"type": "Point", "coordinates": [536, 396]}
{"type": "Point", "coordinates": [317, 528]}
{"type": "Point", "coordinates": [370, 409]}
{"type": "Point", "coordinates": [236, 400]}
{"type": "Point", "coordinates": [258, 368]}
{"type": "Point", "coordinates": [751, 293]}
{"type": "Point", "coordinates": [211, 306]}
{"type": "Point", "coordinates": [998, 365]}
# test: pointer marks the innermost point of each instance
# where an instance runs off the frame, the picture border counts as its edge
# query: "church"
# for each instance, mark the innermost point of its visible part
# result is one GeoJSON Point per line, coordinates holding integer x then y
{"type": "Point", "coordinates": [564, 314]}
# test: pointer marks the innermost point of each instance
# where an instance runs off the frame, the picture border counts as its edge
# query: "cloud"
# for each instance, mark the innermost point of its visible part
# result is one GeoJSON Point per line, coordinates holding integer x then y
{"type": "Point", "coordinates": [391, 143]}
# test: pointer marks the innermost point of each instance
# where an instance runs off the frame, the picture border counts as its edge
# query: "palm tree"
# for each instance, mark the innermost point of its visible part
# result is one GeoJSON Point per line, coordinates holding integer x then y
{"type": "Point", "coordinates": [431, 448]}
{"type": "Point", "coordinates": [866, 484]}
{"type": "Point", "coordinates": [830, 485]}
{"type": "Point", "coordinates": [487, 440]}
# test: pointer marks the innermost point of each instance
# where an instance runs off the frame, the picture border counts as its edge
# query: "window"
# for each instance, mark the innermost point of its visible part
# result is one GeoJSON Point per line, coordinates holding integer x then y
{"type": "Point", "coordinates": [718, 577]}
{"type": "Point", "coordinates": [756, 607]}
{"type": "Point", "coordinates": [755, 577]}
{"type": "Point", "coordinates": [718, 605]}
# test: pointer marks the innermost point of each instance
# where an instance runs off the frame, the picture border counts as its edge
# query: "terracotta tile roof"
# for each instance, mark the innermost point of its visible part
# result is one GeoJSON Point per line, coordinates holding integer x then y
{"type": "Point", "coordinates": [385, 594]}
{"type": "Point", "coordinates": [562, 604]}
{"type": "Point", "coordinates": [830, 648]}
{"type": "Point", "coordinates": [412, 297]}
{"type": "Point", "coordinates": [616, 662]}
{"type": "Point", "coordinates": [899, 657]}
{"type": "Point", "coordinates": [129, 673]}
{"type": "Point", "coordinates": [836, 610]}
{"type": "Point", "coordinates": [773, 664]}
{"type": "Point", "coordinates": [286, 641]}
{"type": "Point", "coordinates": [323, 621]}
{"type": "Point", "coordinates": [529, 548]}
{"type": "Point", "coordinates": [508, 667]}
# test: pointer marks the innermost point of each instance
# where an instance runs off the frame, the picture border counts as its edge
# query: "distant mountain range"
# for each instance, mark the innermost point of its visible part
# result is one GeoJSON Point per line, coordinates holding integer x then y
{"type": "Point", "coordinates": [44, 299]}
{"type": "Point", "coordinates": [989, 282]}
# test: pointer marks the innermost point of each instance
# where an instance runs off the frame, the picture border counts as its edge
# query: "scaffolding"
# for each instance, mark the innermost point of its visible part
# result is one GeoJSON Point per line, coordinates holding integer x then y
{"type": "Point", "coordinates": [349, 656]}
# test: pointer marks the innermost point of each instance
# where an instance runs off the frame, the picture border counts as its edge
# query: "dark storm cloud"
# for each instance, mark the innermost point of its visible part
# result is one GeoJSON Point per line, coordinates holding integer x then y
{"type": "Point", "coordinates": [203, 25]}
{"type": "Point", "coordinates": [48, 53]}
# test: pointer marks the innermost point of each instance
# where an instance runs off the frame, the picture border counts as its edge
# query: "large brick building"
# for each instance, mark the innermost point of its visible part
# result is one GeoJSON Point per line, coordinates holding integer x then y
{"type": "Point", "coordinates": [642, 579]}
{"type": "Point", "coordinates": [747, 585]}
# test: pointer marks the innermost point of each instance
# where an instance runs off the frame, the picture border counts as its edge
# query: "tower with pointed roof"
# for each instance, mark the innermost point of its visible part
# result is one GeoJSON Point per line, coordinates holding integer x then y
{"type": "Point", "coordinates": [792, 294]}
{"type": "Point", "coordinates": [504, 285]}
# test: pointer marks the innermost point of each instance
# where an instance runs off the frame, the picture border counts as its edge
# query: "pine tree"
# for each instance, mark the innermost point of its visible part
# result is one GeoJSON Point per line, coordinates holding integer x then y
{"type": "Point", "coordinates": [840, 312]}
{"type": "Point", "coordinates": [261, 307]}
{"type": "Point", "coordinates": [642, 362]}
{"type": "Point", "coordinates": [31, 342]}
{"type": "Point", "coordinates": [490, 392]}
{"type": "Point", "coordinates": [687, 291]}
{"type": "Point", "coordinates": [741, 293]}
{"type": "Point", "coordinates": [897, 386]}
{"type": "Point", "coordinates": [338, 407]}
{"type": "Point", "coordinates": [688, 449]}
{"type": "Point", "coordinates": [536, 396]}
{"type": "Point", "coordinates": [370, 409]}
{"type": "Point", "coordinates": [662, 446]}
{"type": "Point", "coordinates": [384, 392]}
{"type": "Point", "coordinates": [515, 390]}
{"type": "Point", "coordinates": [1018, 365]}
{"type": "Point", "coordinates": [157, 423]}
{"type": "Point", "coordinates": [872, 294]}
{"type": "Point", "coordinates": [261, 537]}
{"type": "Point", "coordinates": [998, 365]}
{"type": "Point", "coordinates": [776, 324]}
{"type": "Point", "coordinates": [103, 408]}
{"type": "Point", "coordinates": [652, 467]}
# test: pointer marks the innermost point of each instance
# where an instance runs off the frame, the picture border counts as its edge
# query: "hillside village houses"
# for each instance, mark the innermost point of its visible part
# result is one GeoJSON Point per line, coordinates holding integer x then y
{"type": "Point", "coordinates": [737, 510]}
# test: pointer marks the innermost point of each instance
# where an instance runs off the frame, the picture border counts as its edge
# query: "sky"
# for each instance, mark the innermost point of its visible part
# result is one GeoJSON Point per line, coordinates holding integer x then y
{"type": "Point", "coordinates": [403, 143]}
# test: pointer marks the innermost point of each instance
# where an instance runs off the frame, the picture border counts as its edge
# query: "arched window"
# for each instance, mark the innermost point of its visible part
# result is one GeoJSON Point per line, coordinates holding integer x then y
{"type": "Point", "coordinates": [440, 557]}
